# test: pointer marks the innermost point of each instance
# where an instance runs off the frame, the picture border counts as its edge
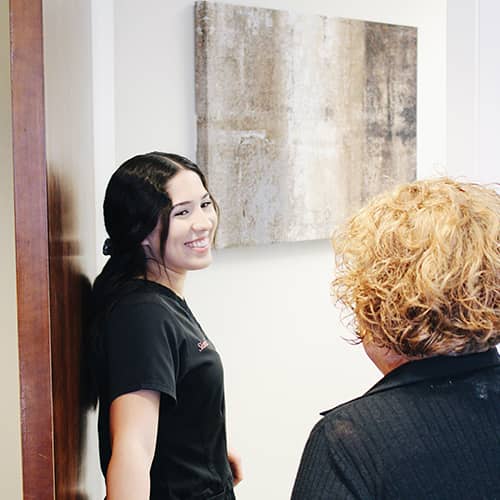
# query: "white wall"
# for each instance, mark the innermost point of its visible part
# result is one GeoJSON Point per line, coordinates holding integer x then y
{"type": "Point", "coordinates": [489, 90]}
{"type": "Point", "coordinates": [462, 98]}
{"type": "Point", "coordinates": [103, 95]}
{"type": "Point", "coordinates": [10, 428]}
{"type": "Point", "coordinates": [267, 308]}
{"type": "Point", "coordinates": [473, 96]}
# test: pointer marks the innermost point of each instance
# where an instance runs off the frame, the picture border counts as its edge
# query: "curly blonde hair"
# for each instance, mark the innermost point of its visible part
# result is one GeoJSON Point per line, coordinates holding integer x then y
{"type": "Point", "coordinates": [420, 268]}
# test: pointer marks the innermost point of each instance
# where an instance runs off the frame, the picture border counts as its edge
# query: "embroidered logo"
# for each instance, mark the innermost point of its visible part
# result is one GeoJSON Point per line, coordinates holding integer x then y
{"type": "Point", "coordinates": [202, 345]}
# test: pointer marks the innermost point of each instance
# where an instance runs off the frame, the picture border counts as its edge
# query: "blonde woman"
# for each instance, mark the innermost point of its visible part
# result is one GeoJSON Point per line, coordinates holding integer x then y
{"type": "Point", "coordinates": [420, 270]}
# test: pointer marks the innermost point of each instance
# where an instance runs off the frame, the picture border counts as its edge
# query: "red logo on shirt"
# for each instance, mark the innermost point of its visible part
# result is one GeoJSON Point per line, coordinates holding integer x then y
{"type": "Point", "coordinates": [202, 345]}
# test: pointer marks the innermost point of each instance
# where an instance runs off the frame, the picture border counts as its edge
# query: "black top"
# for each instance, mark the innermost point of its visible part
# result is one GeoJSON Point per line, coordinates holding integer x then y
{"type": "Point", "coordinates": [428, 430]}
{"type": "Point", "coordinates": [151, 340]}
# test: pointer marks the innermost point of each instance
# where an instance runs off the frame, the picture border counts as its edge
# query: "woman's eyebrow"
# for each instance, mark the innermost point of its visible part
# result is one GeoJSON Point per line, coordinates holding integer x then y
{"type": "Point", "coordinates": [204, 197]}
{"type": "Point", "coordinates": [181, 203]}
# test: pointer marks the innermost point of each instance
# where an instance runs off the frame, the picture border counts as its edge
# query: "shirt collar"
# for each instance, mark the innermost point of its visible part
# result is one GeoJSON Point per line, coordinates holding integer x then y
{"type": "Point", "coordinates": [430, 368]}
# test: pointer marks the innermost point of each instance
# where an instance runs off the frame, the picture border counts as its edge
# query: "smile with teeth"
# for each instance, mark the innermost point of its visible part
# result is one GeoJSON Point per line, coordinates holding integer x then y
{"type": "Point", "coordinates": [201, 243]}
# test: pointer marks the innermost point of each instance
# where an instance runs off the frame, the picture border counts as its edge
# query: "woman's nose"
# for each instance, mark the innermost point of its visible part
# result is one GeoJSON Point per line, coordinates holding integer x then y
{"type": "Point", "coordinates": [202, 221]}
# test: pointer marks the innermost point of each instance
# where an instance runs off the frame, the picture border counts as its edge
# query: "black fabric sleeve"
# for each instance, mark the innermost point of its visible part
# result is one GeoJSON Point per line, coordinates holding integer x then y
{"type": "Point", "coordinates": [326, 472]}
{"type": "Point", "coordinates": [142, 350]}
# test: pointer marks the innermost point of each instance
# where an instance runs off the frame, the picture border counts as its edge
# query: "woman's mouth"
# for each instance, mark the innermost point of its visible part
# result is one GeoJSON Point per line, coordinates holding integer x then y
{"type": "Point", "coordinates": [200, 243]}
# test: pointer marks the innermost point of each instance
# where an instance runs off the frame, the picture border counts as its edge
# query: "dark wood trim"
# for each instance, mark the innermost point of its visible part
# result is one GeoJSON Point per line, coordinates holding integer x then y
{"type": "Point", "coordinates": [32, 260]}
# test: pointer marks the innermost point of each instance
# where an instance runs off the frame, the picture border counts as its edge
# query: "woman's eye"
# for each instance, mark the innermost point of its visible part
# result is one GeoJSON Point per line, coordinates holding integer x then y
{"type": "Point", "coordinates": [182, 212]}
{"type": "Point", "coordinates": [206, 204]}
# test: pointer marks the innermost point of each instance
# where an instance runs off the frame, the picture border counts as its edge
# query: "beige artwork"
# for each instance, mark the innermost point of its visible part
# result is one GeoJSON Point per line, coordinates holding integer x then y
{"type": "Point", "coordinates": [300, 118]}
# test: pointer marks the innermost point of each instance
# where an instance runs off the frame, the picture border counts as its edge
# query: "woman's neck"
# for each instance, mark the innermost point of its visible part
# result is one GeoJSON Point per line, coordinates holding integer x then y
{"type": "Point", "coordinates": [168, 278]}
{"type": "Point", "coordinates": [383, 358]}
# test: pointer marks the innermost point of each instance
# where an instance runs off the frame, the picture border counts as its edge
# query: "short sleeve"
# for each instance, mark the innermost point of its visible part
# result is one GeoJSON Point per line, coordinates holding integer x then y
{"type": "Point", "coordinates": [142, 350]}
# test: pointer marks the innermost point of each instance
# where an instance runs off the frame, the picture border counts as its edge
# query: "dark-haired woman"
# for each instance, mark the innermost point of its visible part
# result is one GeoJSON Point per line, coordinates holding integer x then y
{"type": "Point", "coordinates": [159, 378]}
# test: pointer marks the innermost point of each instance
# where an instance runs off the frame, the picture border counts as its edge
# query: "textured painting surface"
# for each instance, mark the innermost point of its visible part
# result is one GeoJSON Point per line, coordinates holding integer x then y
{"type": "Point", "coordinates": [301, 119]}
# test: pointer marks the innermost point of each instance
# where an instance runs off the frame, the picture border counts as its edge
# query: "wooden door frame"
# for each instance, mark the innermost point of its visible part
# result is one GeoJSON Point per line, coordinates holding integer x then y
{"type": "Point", "coordinates": [32, 248]}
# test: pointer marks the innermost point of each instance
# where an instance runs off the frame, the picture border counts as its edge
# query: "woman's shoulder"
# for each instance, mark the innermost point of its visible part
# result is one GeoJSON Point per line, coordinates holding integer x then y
{"type": "Point", "coordinates": [139, 306]}
{"type": "Point", "coordinates": [142, 313]}
{"type": "Point", "coordinates": [147, 295]}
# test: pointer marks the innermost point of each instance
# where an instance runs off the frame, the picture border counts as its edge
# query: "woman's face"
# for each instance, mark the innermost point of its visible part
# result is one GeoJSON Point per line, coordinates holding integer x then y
{"type": "Point", "coordinates": [192, 224]}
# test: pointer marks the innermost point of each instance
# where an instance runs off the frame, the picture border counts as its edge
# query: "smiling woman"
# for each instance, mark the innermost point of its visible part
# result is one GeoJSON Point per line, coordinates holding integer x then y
{"type": "Point", "coordinates": [159, 380]}
{"type": "Point", "coordinates": [192, 223]}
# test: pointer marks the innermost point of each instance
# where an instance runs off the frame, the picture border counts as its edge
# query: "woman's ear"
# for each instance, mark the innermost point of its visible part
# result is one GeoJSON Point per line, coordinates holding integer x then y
{"type": "Point", "coordinates": [151, 243]}
{"type": "Point", "coordinates": [147, 245]}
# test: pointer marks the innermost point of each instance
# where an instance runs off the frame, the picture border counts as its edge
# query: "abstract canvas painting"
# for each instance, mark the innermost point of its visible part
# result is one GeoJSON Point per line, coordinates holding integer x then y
{"type": "Point", "coordinates": [300, 118]}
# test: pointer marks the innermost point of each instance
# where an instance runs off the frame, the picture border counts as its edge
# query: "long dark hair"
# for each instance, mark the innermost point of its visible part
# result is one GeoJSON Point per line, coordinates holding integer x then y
{"type": "Point", "coordinates": [135, 200]}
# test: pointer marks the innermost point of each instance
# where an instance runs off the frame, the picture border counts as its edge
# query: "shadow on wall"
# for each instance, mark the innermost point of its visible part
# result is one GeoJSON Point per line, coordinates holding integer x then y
{"type": "Point", "coordinates": [69, 313]}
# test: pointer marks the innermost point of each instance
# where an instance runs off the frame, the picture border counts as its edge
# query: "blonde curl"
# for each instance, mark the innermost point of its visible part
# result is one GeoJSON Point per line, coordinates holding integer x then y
{"type": "Point", "coordinates": [419, 268]}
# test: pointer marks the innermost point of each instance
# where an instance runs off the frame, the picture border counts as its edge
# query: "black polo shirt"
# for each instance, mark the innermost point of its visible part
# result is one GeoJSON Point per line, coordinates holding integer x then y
{"type": "Point", "coordinates": [151, 340]}
{"type": "Point", "coordinates": [430, 429]}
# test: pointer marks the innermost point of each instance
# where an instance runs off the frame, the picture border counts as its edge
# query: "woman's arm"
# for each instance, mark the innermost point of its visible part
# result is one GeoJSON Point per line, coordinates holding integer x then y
{"type": "Point", "coordinates": [236, 467]}
{"type": "Point", "coordinates": [133, 426]}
